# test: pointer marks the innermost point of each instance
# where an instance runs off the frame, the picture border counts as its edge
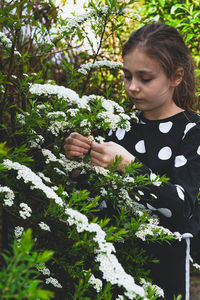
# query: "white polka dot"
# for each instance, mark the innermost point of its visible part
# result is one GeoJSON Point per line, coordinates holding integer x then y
{"type": "Point", "coordinates": [110, 132]}
{"type": "Point", "coordinates": [165, 127]}
{"type": "Point", "coordinates": [142, 122]}
{"type": "Point", "coordinates": [120, 133]}
{"type": "Point", "coordinates": [198, 150]}
{"type": "Point", "coordinates": [165, 153]}
{"type": "Point", "coordinates": [180, 161]}
{"type": "Point", "coordinates": [140, 147]}
{"type": "Point", "coordinates": [149, 206]}
{"type": "Point", "coordinates": [188, 127]}
{"type": "Point", "coordinates": [154, 196]}
{"type": "Point", "coordinates": [165, 212]}
{"type": "Point", "coordinates": [180, 193]}
{"type": "Point", "coordinates": [180, 187]}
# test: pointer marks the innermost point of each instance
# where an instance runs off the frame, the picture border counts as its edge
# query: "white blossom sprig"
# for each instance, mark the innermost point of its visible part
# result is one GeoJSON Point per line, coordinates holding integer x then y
{"type": "Point", "coordinates": [76, 21]}
{"type": "Point", "coordinates": [158, 291]}
{"type": "Point", "coordinates": [195, 265]}
{"type": "Point", "coordinates": [85, 68]}
{"type": "Point", "coordinates": [95, 282]}
{"type": "Point", "coordinates": [18, 231]}
{"type": "Point", "coordinates": [108, 263]}
{"type": "Point", "coordinates": [81, 114]}
{"type": "Point", "coordinates": [9, 195]}
{"type": "Point", "coordinates": [25, 211]}
{"type": "Point", "coordinates": [54, 282]}
{"type": "Point", "coordinates": [30, 177]}
{"type": "Point", "coordinates": [46, 272]}
{"type": "Point", "coordinates": [7, 44]}
{"type": "Point", "coordinates": [44, 226]}
{"type": "Point", "coordinates": [152, 229]}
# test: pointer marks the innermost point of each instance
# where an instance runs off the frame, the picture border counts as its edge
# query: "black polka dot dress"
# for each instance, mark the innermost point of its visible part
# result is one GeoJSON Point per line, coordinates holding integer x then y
{"type": "Point", "coordinates": [169, 146]}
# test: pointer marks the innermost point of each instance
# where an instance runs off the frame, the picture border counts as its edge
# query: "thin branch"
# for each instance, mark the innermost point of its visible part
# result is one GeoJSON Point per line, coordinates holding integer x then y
{"type": "Point", "coordinates": [97, 53]}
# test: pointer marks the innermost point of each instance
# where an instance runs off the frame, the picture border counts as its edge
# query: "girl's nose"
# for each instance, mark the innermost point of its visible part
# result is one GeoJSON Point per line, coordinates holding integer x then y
{"type": "Point", "coordinates": [134, 87]}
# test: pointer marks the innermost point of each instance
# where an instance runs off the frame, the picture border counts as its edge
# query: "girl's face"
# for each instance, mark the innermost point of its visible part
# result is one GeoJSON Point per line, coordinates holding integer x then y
{"type": "Point", "coordinates": [147, 85]}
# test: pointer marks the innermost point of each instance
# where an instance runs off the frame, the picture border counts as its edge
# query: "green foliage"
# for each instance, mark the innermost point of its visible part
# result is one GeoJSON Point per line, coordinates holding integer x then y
{"type": "Point", "coordinates": [33, 123]}
{"type": "Point", "coordinates": [19, 278]}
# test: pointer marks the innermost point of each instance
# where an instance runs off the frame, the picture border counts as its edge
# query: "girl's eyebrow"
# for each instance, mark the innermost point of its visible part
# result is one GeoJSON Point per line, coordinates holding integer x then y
{"type": "Point", "coordinates": [143, 71]}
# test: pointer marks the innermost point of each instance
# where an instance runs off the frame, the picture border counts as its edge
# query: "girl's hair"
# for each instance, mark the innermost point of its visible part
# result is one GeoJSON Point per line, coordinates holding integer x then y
{"type": "Point", "coordinates": [163, 43]}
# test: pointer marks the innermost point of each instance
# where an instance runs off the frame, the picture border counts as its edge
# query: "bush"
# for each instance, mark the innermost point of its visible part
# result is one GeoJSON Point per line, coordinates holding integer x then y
{"type": "Point", "coordinates": [44, 97]}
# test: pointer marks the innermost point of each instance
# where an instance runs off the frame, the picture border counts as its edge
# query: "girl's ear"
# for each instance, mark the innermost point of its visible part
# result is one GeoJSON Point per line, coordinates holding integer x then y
{"type": "Point", "coordinates": [178, 76]}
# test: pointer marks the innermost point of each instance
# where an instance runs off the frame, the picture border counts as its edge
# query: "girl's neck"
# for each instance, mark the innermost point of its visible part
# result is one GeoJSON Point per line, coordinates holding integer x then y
{"type": "Point", "coordinates": [162, 114]}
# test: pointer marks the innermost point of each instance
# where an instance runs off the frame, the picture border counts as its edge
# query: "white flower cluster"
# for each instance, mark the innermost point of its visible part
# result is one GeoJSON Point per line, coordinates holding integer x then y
{"type": "Point", "coordinates": [195, 265]}
{"type": "Point", "coordinates": [152, 228]}
{"type": "Point", "coordinates": [100, 139]}
{"type": "Point", "coordinates": [44, 226]}
{"type": "Point", "coordinates": [158, 291]}
{"type": "Point", "coordinates": [29, 176]}
{"type": "Point", "coordinates": [108, 263]}
{"type": "Point", "coordinates": [76, 21]}
{"type": "Point", "coordinates": [50, 89]}
{"type": "Point", "coordinates": [18, 231]}
{"type": "Point", "coordinates": [69, 165]}
{"type": "Point", "coordinates": [57, 126]}
{"type": "Point", "coordinates": [90, 13]}
{"type": "Point", "coordinates": [97, 283]}
{"type": "Point", "coordinates": [36, 143]}
{"type": "Point", "coordinates": [111, 114]}
{"type": "Point", "coordinates": [120, 297]}
{"type": "Point", "coordinates": [45, 271]}
{"type": "Point", "coordinates": [21, 119]}
{"type": "Point", "coordinates": [6, 43]}
{"type": "Point", "coordinates": [50, 156]}
{"type": "Point", "coordinates": [84, 69]}
{"type": "Point", "coordinates": [47, 179]}
{"type": "Point", "coordinates": [26, 210]}
{"type": "Point", "coordinates": [155, 179]}
{"type": "Point", "coordinates": [9, 195]}
{"type": "Point", "coordinates": [54, 282]}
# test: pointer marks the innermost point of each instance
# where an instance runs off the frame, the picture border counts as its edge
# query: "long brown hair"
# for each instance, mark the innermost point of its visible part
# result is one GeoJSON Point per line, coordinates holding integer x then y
{"type": "Point", "coordinates": [163, 43]}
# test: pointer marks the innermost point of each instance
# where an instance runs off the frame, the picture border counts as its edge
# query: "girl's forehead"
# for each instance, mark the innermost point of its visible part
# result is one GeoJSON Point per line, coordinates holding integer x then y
{"type": "Point", "coordinates": [138, 60]}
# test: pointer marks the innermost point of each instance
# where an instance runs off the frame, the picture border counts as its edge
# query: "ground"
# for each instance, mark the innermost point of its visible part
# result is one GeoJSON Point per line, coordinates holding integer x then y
{"type": "Point", "coordinates": [195, 287]}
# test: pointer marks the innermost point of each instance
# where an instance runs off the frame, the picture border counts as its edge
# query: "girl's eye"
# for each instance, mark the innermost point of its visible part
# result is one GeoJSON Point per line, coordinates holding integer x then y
{"type": "Point", "coordinates": [145, 79]}
{"type": "Point", "coordinates": [127, 77]}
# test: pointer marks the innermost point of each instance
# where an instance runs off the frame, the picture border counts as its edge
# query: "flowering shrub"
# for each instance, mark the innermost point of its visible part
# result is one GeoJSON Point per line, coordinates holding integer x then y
{"type": "Point", "coordinates": [94, 223]}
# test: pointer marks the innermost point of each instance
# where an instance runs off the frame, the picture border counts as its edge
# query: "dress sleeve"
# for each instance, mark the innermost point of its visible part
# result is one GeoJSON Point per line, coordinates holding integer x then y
{"type": "Point", "coordinates": [177, 198]}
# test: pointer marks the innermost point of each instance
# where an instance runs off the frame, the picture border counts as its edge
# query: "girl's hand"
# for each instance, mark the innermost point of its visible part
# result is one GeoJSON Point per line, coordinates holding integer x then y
{"type": "Point", "coordinates": [104, 154]}
{"type": "Point", "coordinates": [76, 145]}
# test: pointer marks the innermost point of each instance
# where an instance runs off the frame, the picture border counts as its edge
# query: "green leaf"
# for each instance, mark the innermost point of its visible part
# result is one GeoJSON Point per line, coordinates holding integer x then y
{"type": "Point", "coordinates": [45, 256]}
{"type": "Point", "coordinates": [26, 242]}
{"type": "Point", "coordinates": [162, 2]}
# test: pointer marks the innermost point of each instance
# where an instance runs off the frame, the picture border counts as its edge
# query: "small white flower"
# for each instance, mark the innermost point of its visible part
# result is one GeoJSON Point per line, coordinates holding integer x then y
{"type": "Point", "coordinates": [54, 282]}
{"type": "Point", "coordinates": [9, 195]}
{"type": "Point", "coordinates": [141, 193]}
{"type": "Point", "coordinates": [154, 196]}
{"type": "Point", "coordinates": [26, 210]}
{"type": "Point", "coordinates": [44, 226]}
{"type": "Point", "coordinates": [18, 231]}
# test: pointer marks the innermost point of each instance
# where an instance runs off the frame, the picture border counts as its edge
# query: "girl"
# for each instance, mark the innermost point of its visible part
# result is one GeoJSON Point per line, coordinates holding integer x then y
{"type": "Point", "coordinates": [159, 79]}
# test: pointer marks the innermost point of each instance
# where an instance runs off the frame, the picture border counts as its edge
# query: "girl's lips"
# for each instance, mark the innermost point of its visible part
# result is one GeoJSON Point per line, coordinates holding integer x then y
{"type": "Point", "coordinates": [137, 100]}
